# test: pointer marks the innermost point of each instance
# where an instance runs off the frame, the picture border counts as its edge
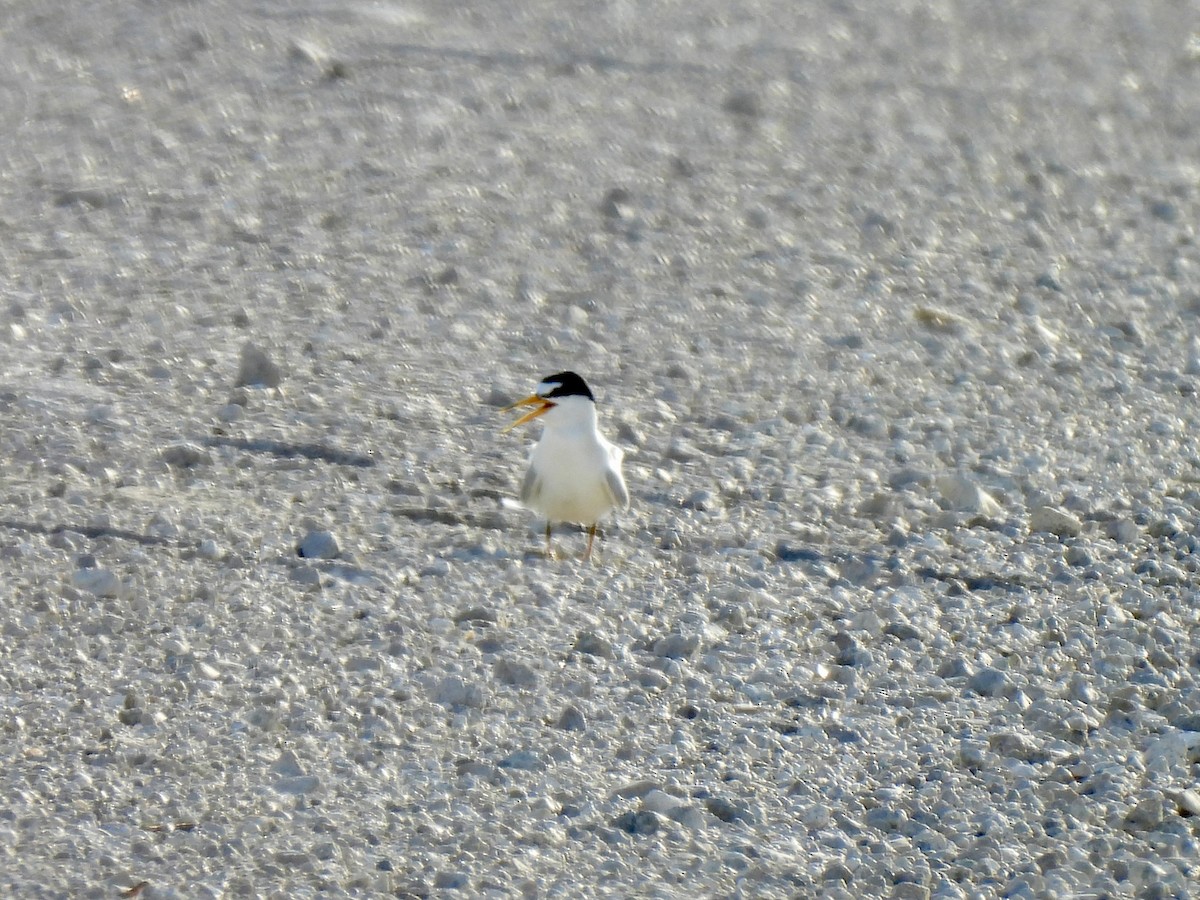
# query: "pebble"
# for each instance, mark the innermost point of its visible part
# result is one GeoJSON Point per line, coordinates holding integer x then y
{"type": "Point", "coordinates": [299, 784]}
{"type": "Point", "coordinates": [902, 631]}
{"type": "Point", "coordinates": [990, 682]}
{"type": "Point", "coordinates": [524, 760]}
{"type": "Point", "coordinates": [476, 615]}
{"type": "Point", "coordinates": [1188, 801]}
{"type": "Point", "coordinates": [257, 369]}
{"type": "Point", "coordinates": [1146, 815]}
{"type": "Point", "coordinates": [966, 495]}
{"type": "Point", "coordinates": [185, 456]}
{"type": "Point", "coordinates": [572, 719]}
{"type": "Point", "coordinates": [306, 576]}
{"type": "Point", "coordinates": [677, 646]}
{"type": "Point", "coordinates": [101, 582]}
{"type": "Point", "coordinates": [1052, 520]}
{"type": "Point", "coordinates": [453, 691]}
{"type": "Point", "coordinates": [515, 674]}
{"type": "Point", "coordinates": [836, 647]}
{"type": "Point", "coordinates": [231, 412]}
{"type": "Point", "coordinates": [640, 823]}
{"type": "Point", "coordinates": [594, 645]}
{"type": "Point", "coordinates": [318, 545]}
{"type": "Point", "coordinates": [725, 810]}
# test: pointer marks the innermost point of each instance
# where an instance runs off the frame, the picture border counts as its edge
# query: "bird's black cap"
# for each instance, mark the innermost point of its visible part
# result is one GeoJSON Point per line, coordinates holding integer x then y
{"type": "Point", "coordinates": [564, 384]}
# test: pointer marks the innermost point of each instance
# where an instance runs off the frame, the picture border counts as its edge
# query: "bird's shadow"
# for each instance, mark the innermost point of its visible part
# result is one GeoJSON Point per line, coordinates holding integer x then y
{"type": "Point", "coordinates": [291, 450]}
{"type": "Point", "coordinates": [89, 531]}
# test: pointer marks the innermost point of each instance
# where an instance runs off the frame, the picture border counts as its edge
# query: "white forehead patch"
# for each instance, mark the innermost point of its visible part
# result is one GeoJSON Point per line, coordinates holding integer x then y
{"type": "Point", "coordinates": [547, 386]}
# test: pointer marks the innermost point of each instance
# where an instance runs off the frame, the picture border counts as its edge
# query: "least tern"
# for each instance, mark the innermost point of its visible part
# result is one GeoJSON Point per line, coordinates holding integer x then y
{"type": "Point", "coordinates": [574, 473]}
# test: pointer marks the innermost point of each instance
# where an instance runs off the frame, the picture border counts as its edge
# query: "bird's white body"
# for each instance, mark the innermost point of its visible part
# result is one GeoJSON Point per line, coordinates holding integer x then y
{"type": "Point", "coordinates": [574, 473]}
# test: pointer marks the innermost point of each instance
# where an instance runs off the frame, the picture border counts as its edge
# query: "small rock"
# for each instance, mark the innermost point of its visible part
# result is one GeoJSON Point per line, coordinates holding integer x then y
{"type": "Point", "coordinates": [437, 568]}
{"type": "Point", "coordinates": [940, 320]}
{"type": "Point", "coordinates": [306, 575]}
{"type": "Point", "coordinates": [522, 760]}
{"type": "Point", "coordinates": [209, 549]}
{"type": "Point", "coordinates": [724, 809]}
{"type": "Point", "coordinates": [886, 818]}
{"type": "Point", "coordinates": [1164, 210]}
{"type": "Point", "coordinates": [652, 680]}
{"type": "Point", "coordinates": [786, 552]}
{"type": "Point", "coordinates": [101, 582]}
{"type": "Point", "coordinates": [634, 789]}
{"type": "Point", "coordinates": [572, 719]}
{"type": "Point", "coordinates": [1165, 528]}
{"type": "Point", "coordinates": [659, 801]}
{"type": "Point", "coordinates": [1078, 556]}
{"type": "Point", "coordinates": [1123, 531]}
{"type": "Point", "coordinates": [593, 645]}
{"type": "Point", "coordinates": [849, 652]}
{"type": "Point", "coordinates": [837, 871]}
{"type": "Point", "coordinates": [527, 293]}
{"type": "Point", "coordinates": [972, 754]}
{"type": "Point", "coordinates": [1188, 802]}
{"type": "Point", "coordinates": [1016, 746]}
{"type": "Point", "coordinates": [516, 674]}
{"type": "Point", "coordinates": [677, 646]}
{"type": "Point", "coordinates": [964, 494]}
{"type": "Point", "coordinates": [288, 764]}
{"type": "Point", "coordinates": [316, 56]}
{"type": "Point", "coordinates": [1146, 815]}
{"type": "Point", "coordinates": [298, 784]}
{"type": "Point", "coordinates": [256, 369]}
{"type": "Point", "coordinates": [639, 823]}
{"type": "Point", "coordinates": [1049, 281]}
{"type": "Point", "coordinates": [744, 103]}
{"type": "Point", "coordinates": [880, 507]}
{"type": "Point", "coordinates": [902, 631]}
{"type": "Point", "coordinates": [701, 501]}
{"type": "Point", "coordinates": [990, 682]}
{"type": "Point", "coordinates": [476, 614]}
{"type": "Point", "coordinates": [955, 667]}
{"type": "Point", "coordinates": [296, 860]}
{"type": "Point", "coordinates": [860, 570]}
{"type": "Point", "coordinates": [318, 545]}
{"type": "Point", "coordinates": [185, 456]}
{"type": "Point", "coordinates": [688, 816]}
{"type": "Point", "coordinates": [1053, 520]}
{"type": "Point", "coordinates": [617, 204]}
{"type": "Point", "coordinates": [453, 691]}
{"type": "Point", "coordinates": [292, 777]}
{"type": "Point", "coordinates": [449, 881]}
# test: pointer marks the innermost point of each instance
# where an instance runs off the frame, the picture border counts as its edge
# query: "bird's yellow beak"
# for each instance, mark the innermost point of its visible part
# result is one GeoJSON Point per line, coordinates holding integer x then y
{"type": "Point", "coordinates": [541, 406]}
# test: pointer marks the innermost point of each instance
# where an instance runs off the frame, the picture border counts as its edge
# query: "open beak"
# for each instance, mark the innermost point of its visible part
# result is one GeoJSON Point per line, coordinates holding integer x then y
{"type": "Point", "coordinates": [541, 406]}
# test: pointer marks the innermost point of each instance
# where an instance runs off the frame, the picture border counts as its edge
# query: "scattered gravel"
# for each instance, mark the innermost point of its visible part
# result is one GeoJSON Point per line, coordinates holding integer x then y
{"type": "Point", "coordinates": [891, 307]}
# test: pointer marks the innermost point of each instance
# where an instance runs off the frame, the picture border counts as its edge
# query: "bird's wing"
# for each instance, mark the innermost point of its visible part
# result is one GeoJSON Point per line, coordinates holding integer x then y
{"type": "Point", "coordinates": [531, 487]}
{"type": "Point", "coordinates": [616, 487]}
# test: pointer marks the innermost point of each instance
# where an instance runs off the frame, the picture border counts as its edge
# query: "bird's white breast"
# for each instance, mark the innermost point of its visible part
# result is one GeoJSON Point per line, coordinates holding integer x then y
{"type": "Point", "coordinates": [572, 467]}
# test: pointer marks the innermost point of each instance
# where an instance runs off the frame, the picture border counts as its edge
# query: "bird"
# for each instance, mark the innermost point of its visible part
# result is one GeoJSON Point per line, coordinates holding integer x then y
{"type": "Point", "coordinates": [574, 473]}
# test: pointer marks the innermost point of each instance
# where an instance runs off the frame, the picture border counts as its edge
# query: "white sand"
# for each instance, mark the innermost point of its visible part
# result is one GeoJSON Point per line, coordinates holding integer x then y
{"type": "Point", "coordinates": [892, 306]}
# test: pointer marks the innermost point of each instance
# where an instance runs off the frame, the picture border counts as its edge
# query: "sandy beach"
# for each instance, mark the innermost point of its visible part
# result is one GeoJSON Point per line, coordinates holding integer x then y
{"type": "Point", "coordinates": [892, 308]}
